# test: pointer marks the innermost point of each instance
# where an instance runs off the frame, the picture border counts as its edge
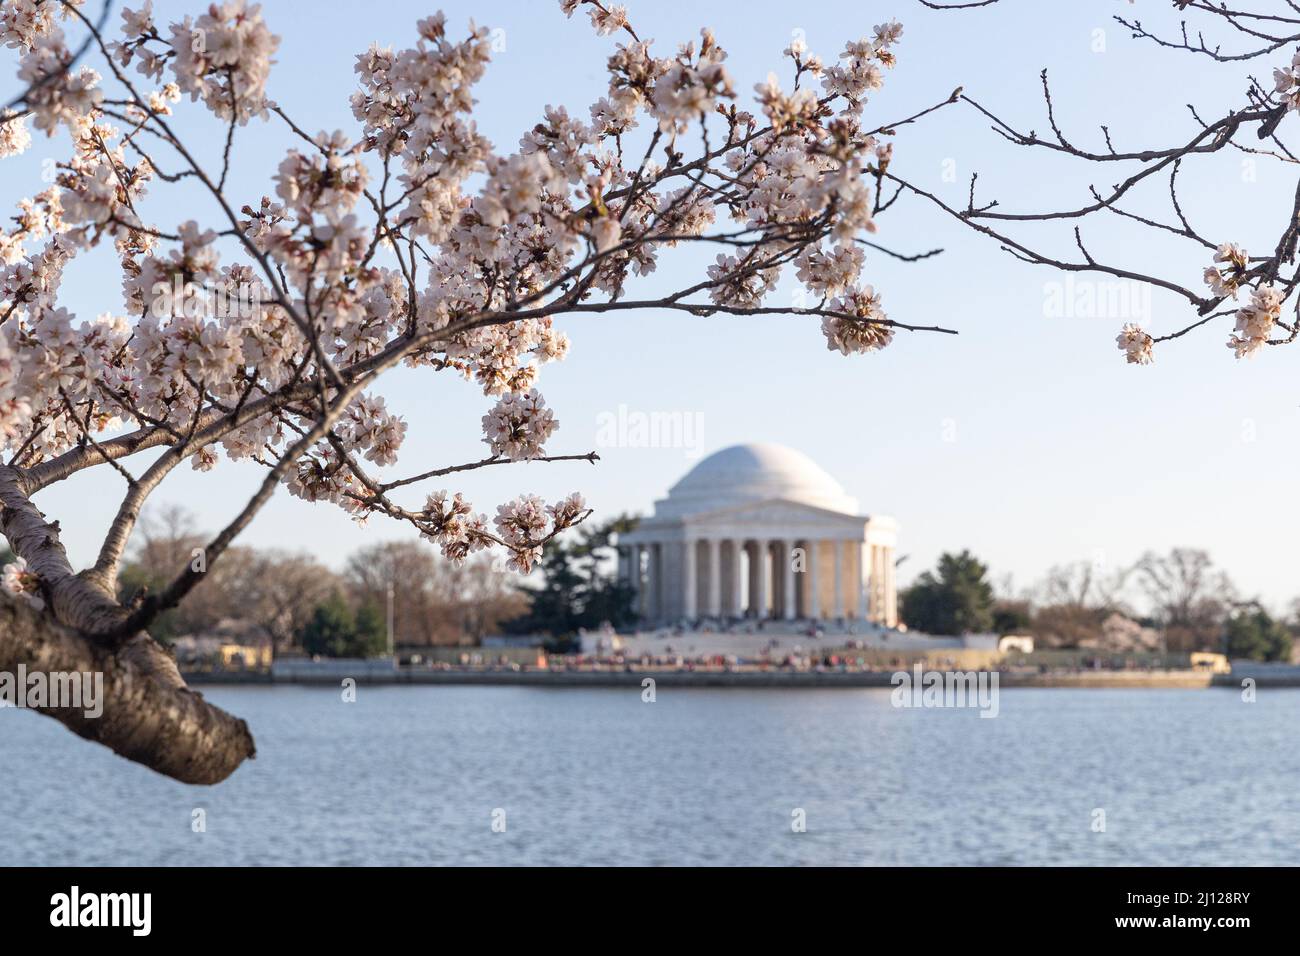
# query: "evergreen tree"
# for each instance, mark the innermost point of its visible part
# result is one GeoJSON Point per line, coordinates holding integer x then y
{"type": "Point", "coordinates": [578, 590]}
{"type": "Point", "coordinates": [370, 635]}
{"type": "Point", "coordinates": [1252, 633]}
{"type": "Point", "coordinates": [335, 631]}
{"type": "Point", "coordinates": [956, 600]}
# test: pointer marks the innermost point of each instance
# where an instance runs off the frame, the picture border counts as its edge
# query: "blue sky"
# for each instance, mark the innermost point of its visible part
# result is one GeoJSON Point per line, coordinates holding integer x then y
{"type": "Point", "coordinates": [1025, 438]}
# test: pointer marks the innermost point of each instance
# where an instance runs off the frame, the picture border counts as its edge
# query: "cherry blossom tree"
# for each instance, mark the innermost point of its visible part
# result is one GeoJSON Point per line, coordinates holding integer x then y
{"type": "Point", "coordinates": [256, 329]}
{"type": "Point", "coordinates": [1255, 295]}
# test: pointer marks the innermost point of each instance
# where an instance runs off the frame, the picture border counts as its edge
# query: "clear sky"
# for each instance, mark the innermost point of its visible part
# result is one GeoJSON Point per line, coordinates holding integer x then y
{"type": "Point", "coordinates": [1025, 438]}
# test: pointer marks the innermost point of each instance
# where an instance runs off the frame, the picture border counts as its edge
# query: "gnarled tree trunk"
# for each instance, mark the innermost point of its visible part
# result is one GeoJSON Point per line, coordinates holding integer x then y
{"type": "Point", "coordinates": [149, 715]}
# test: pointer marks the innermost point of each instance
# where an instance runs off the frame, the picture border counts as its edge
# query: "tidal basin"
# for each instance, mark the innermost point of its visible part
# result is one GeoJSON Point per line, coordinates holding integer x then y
{"type": "Point", "coordinates": [419, 774]}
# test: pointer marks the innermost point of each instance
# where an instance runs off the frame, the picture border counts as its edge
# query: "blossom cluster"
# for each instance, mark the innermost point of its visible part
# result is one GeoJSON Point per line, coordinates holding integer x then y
{"type": "Point", "coordinates": [370, 428]}
{"type": "Point", "coordinates": [525, 523]}
{"type": "Point", "coordinates": [1225, 276]}
{"type": "Point", "coordinates": [864, 332]}
{"type": "Point", "coordinates": [1286, 82]}
{"type": "Point", "coordinates": [1255, 321]}
{"type": "Point", "coordinates": [58, 96]}
{"type": "Point", "coordinates": [522, 526]}
{"type": "Point", "coordinates": [18, 582]}
{"type": "Point", "coordinates": [221, 57]}
{"type": "Point", "coordinates": [15, 138]}
{"type": "Point", "coordinates": [861, 73]}
{"type": "Point", "coordinates": [1135, 344]}
{"type": "Point", "coordinates": [24, 22]}
{"type": "Point", "coordinates": [518, 425]}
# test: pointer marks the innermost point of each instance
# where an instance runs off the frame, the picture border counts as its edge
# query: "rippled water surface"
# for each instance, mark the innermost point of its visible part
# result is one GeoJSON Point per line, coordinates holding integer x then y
{"type": "Point", "coordinates": [413, 775]}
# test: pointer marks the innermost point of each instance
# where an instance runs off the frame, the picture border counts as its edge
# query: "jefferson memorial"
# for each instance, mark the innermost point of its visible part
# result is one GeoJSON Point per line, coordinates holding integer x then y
{"type": "Point", "coordinates": [760, 531]}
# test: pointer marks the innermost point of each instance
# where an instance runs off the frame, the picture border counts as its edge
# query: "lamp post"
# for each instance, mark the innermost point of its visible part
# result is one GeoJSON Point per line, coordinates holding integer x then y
{"type": "Point", "coordinates": [391, 653]}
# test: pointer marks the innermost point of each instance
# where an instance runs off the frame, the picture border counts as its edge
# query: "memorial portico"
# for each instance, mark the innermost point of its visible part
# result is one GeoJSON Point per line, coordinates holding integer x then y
{"type": "Point", "coordinates": [760, 531]}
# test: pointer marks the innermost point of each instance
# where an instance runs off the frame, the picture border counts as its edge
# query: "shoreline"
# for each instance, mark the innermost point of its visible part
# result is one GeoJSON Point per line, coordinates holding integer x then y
{"type": "Point", "coordinates": [723, 678]}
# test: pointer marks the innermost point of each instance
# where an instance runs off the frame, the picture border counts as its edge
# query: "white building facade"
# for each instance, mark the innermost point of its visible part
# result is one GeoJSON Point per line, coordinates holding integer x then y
{"type": "Point", "coordinates": [760, 531]}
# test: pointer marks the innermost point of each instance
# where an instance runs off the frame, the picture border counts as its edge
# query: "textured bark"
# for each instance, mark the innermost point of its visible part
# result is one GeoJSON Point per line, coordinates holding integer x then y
{"type": "Point", "coordinates": [83, 602]}
{"type": "Point", "coordinates": [149, 715]}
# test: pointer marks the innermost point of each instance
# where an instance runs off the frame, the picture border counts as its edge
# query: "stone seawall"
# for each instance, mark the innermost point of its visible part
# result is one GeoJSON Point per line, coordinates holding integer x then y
{"type": "Point", "coordinates": [704, 678]}
{"type": "Point", "coordinates": [1264, 675]}
{"type": "Point", "coordinates": [1111, 679]}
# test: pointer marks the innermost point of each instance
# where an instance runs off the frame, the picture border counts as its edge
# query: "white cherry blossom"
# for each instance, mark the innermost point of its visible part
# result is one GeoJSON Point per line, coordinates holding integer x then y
{"type": "Point", "coordinates": [1135, 344]}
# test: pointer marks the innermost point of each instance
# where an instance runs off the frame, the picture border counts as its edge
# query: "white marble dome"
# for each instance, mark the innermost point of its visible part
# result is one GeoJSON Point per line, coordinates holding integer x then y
{"type": "Point", "coordinates": [745, 474]}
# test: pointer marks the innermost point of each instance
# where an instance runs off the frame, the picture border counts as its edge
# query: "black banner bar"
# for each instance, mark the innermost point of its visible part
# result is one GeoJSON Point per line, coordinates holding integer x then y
{"type": "Point", "coordinates": [369, 905]}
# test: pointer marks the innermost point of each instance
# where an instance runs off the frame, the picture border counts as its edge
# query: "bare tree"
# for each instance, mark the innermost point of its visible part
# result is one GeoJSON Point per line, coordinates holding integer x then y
{"type": "Point", "coordinates": [1188, 597]}
{"type": "Point", "coordinates": [166, 538]}
{"type": "Point", "coordinates": [1145, 174]}
{"type": "Point", "coordinates": [435, 601]}
{"type": "Point", "coordinates": [412, 244]}
{"type": "Point", "coordinates": [409, 568]}
{"type": "Point", "coordinates": [1084, 584]}
{"type": "Point", "coordinates": [1073, 602]}
{"type": "Point", "coordinates": [485, 598]}
{"type": "Point", "coordinates": [277, 590]}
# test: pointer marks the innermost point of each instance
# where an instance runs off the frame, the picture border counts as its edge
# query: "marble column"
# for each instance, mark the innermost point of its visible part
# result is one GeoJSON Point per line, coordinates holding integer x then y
{"type": "Point", "coordinates": [812, 600]}
{"type": "Point", "coordinates": [651, 583]}
{"type": "Point", "coordinates": [629, 571]}
{"type": "Point", "coordinates": [737, 579]}
{"type": "Point", "coordinates": [891, 589]}
{"type": "Point", "coordinates": [876, 585]}
{"type": "Point", "coordinates": [882, 563]}
{"type": "Point", "coordinates": [714, 605]}
{"type": "Point", "coordinates": [689, 579]}
{"type": "Point", "coordinates": [751, 578]}
{"type": "Point", "coordinates": [863, 552]}
{"type": "Point", "coordinates": [638, 579]}
{"type": "Point", "coordinates": [763, 553]}
{"type": "Point", "coordinates": [839, 578]}
{"type": "Point", "coordinates": [787, 590]}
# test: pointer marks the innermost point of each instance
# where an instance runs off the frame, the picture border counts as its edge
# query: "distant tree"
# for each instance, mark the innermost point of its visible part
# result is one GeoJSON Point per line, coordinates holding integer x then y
{"type": "Point", "coordinates": [603, 598]}
{"type": "Point", "coordinates": [956, 600]}
{"type": "Point", "coordinates": [485, 598]}
{"type": "Point", "coordinates": [278, 590]}
{"type": "Point", "coordinates": [369, 633]}
{"type": "Point", "coordinates": [1084, 584]}
{"type": "Point", "coordinates": [1012, 617]}
{"type": "Point", "coordinates": [408, 567]}
{"type": "Point", "coordinates": [436, 601]}
{"type": "Point", "coordinates": [1189, 598]}
{"type": "Point", "coordinates": [1073, 602]}
{"type": "Point", "coordinates": [1067, 625]}
{"type": "Point", "coordinates": [578, 587]}
{"type": "Point", "coordinates": [1250, 632]}
{"type": "Point", "coordinates": [274, 589]}
{"type": "Point", "coordinates": [334, 631]}
{"type": "Point", "coordinates": [329, 628]}
{"type": "Point", "coordinates": [165, 539]}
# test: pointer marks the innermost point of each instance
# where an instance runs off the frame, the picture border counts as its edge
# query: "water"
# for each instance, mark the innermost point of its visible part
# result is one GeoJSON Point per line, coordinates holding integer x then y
{"type": "Point", "coordinates": [412, 775]}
